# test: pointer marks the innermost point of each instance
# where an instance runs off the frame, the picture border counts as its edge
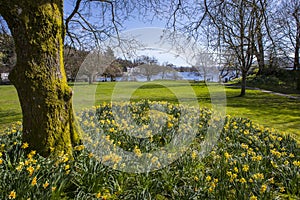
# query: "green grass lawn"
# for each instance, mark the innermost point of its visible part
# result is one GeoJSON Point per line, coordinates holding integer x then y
{"type": "Point", "coordinates": [10, 109]}
{"type": "Point", "coordinates": [269, 110]}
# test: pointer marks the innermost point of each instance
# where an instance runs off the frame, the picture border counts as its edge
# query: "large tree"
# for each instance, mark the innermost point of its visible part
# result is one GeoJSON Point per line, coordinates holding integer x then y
{"type": "Point", "coordinates": [288, 34]}
{"type": "Point", "coordinates": [39, 76]}
{"type": "Point", "coordinates": [73, 58]}
{"type": "Point", "coordinates": [237, 26]}
{"type": "Point", "coordinates": [38, 30]}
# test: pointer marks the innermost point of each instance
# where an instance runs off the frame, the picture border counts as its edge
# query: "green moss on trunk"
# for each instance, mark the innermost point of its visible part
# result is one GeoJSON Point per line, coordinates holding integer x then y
{"type": "Point", "coordinates": [39, 76]}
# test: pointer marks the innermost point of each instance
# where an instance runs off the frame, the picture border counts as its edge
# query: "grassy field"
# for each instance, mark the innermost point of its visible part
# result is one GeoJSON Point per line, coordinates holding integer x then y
{"type": "Point", "coordinates": [269, 110]}
{"type": "Point", "coordinates": [10, 110]}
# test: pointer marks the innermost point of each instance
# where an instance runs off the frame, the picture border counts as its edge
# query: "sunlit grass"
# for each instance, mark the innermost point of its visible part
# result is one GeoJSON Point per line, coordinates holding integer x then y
{"type": "Point", "coordinates": [10, 110]}
{"type": "Point", "coordinates": [269, 110]}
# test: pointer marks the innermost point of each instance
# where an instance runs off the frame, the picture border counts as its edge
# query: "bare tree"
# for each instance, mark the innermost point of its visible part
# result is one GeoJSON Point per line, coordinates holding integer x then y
{"type": "Point", "coordinates": [289, 22]}
{"type": "Point", "coordinates": [230, 66]}
{"type": "Point", "coordinates": [288, 32]}
{"type": "Point", "coordinates": [237, 22]}
{"type": "Point", "coordinates": [73, 58]}
{"type": "Point", "coordinates": [262, 31]}
{"type": "Point", "coordinates": [96, 63]}
{"type": "Point", "coordinates": [165, 69]}
{"type": "Point", "coordinates": [241, 27]}
{"type": "Point", "coordinates": [205, 62]}
{"type": "Point", "coordinates": [147, 66]}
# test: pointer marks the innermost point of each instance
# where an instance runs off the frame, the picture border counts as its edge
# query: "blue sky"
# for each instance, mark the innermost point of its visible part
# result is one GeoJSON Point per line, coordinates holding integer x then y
{"type": "Point", "coordinates": [129, 24]}
{"type": "Point", "coordinates": [146, 34]}
{"type": "Point", "coordinates": [149, 37]}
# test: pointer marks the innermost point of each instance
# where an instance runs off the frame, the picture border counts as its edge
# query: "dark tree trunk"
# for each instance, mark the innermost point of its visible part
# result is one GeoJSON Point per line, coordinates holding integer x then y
{"type": "Point", "coordinates": [243, 84]}
{"type": "Point", "coordinates": [296, 59]}
{"type": "Point", "coordinates": [298, 79]}
{"type": "Point", "coordinates": [39, 75]}
{"type": "Point", "coordinates": [111, 78]}
{"type": "Point", "coordinates": [259, 53]}
{"type": "Point", "coordinates": [260, 56]}
{"type": "Point", "coordinates": [90, 79]}
{"type": "Point", "coordinates": [297, 47]}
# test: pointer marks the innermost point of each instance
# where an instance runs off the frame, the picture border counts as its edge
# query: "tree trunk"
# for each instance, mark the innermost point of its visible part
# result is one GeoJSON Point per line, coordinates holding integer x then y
{"type": "Point", "coordinates": [39, 75]}
{"type": "Point", "coordinates": [90, 79]}
{"type": "Point", "coordinates": [298, 79]}
{"type": "Point", "coordinates": [260, 55]}
{"type": "Point", "coordinates": [243, 84]}
{"type": "Point", "coordinates": [296, 59]}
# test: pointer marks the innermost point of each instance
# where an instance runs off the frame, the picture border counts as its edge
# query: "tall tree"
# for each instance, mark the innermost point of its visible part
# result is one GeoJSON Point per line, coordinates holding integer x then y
{"type": "Point", "coordinates": [236, 23]}
{"type": "Point", "coordinates": [39, 76]}
{"type": "Point", "coordinates": [234, 26]}
{"type": "Point", "coordinates": [260, 15]}
{"type": "Point", "coordinates": [287, 19]}
{"type": "Point", "coordinates": [295, 12]}
{"type": "Point", "coordinates": [38, 30]}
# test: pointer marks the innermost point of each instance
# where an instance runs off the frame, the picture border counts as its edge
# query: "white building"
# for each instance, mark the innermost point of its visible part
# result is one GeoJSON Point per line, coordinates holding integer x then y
{"type": "Point", "coordinates": [4, 76]}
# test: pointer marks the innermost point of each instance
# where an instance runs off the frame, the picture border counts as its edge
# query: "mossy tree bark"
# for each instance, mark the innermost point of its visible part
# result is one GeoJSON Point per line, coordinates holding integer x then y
{"type": "Point", "coordinates": [39, 76]}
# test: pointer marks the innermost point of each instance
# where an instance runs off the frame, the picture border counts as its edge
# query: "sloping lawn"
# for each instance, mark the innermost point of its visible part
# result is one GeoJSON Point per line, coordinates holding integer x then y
{"type": "Point", "coordinates": [115, 162]}
{"type": "Point", "coordinates": [10, 110]}
{"type": "Point", "coordinates": [269, 110]}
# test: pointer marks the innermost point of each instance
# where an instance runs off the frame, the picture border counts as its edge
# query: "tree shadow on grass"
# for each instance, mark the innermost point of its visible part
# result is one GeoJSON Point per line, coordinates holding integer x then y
{"type": "Point", "coordinates": [7, 117]}
{"type": "Point", "coordinates": [269, 110]}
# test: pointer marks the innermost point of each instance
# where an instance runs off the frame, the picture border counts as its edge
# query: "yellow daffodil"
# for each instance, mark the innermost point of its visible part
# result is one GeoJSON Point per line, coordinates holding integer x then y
{"type": "Point", "coordinates": [45, 185]}
{"type": "Point", "coordinates": [253, 197]}
{"type": "Point", "coordinates": [12, 195]}
{"type": "Point", "coordinates": [243, 180]}
{"type": "Point", "coordinates": [25, 145]}
{"type": "Point", "coordinates": [208, 178]}
{"type": "Point", "coordinates": [296, 163]}
{"type": "Point", "coordinates": [263, 188]}
{"type": "Point", "coordinates": [245, 168]}
{"type": "Point", "coordinates": [33, 182]}
{"type": "Point", "coordinates": [30, 170]}
{"type": "Point", "coordinates": [281, 189]}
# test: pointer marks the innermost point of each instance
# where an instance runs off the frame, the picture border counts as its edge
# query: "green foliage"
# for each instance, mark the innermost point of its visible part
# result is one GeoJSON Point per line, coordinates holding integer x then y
{"type": "Point", "coordinates": [7, 54]}
{"type": "Point", "coordinates": [263, 80]}
{"type": "Point", "coordinates": [248, 162]}
{"type": "Point", "coordinates": [273, 78]}
{"type": "Point", "coordinates": [28, 174]}
{"type": "Point", "coordinates": [283, 81]}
